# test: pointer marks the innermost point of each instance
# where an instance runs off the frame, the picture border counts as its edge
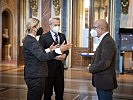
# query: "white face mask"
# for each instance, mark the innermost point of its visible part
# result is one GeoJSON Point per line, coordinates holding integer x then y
{"type": "Point", "coordinates": [93, 33]}
{"type": "Point", "coordinates": [55, 29]}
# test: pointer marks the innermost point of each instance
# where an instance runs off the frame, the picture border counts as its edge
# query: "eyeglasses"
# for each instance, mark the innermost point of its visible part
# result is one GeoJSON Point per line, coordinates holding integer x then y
{"type": "Point", "coordinates": [94, 27]}
{"type": "Point", "coordinates": [56, 24]}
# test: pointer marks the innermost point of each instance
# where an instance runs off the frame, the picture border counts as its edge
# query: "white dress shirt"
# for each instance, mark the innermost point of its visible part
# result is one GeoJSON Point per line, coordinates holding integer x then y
{"type": "Point", "coordinates": [57, 50]}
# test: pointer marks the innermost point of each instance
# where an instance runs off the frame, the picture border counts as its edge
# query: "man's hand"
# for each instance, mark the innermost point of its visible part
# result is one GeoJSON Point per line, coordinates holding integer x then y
{"type": "Point", "coordinates": [52, 47]}
{"type": "Point", "coordinates": [64, 47]}
{"type": "Point", "coordinates": [61, 57]}
{"type": "Point", "coordinates": [88, 67]}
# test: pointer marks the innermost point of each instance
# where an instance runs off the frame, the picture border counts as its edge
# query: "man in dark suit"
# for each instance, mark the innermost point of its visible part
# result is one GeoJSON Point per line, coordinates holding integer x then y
{"type": "Point", "coordinates": [36, 70]}
{"type": "Point", "coordinates": [55, 66]}
{"type": "Point", "coordinates": [103, 65]}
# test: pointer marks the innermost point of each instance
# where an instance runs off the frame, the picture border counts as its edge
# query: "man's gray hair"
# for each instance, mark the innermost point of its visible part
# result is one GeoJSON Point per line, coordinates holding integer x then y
{"type": "Point", "coordinates": [51, 19]}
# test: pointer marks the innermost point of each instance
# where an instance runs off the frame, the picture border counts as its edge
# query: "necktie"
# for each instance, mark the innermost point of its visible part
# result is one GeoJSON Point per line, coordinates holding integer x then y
{"type": "Point", "coordinates": [56, 39]}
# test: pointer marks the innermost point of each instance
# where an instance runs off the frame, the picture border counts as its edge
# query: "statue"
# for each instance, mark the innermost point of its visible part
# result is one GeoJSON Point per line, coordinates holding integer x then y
{"type": "Point", "coordinates": [6, 44]}
{"type": "Point", "coordinates": [5, 37]}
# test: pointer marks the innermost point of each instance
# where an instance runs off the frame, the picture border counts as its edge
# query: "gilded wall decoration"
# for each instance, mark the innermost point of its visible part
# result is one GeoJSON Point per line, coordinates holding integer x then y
{"type": "Point", "coordinates": [34, 6]}
{"type": "Point", "coordinates": [124, 6]}
{"type": "Point", "coordinates": [56, 4]}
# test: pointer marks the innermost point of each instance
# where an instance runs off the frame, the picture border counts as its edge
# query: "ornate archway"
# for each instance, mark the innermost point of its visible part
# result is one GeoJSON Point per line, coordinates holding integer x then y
{"type": "Point", "coordinates": [6, 35]}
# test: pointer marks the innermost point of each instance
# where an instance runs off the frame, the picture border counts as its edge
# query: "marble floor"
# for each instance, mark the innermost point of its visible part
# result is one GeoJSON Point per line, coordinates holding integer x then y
{"type": "Point", "coordinates": [77, 84]}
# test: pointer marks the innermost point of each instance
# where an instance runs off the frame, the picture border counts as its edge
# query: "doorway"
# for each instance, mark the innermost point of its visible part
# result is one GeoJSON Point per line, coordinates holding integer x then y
{"type": "Point", "coordinates": [6, 36]}
{"type": "Point", "coordinates": [84, 13]}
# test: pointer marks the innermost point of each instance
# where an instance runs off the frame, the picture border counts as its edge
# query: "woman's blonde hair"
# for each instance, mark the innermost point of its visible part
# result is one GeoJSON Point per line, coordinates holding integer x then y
{"type": "Point", "coordinates": [32, 22]}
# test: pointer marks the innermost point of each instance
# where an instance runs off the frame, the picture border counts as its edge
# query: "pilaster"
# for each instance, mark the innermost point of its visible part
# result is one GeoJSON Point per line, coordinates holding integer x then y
{"type": "Point", "coordinates": [117, 26]}
{"type": "Point", "coordinates": [0, 31]}
{"type": "Point", "coordinates": [64, 17]}
{"type": "Point", "coordinates": [46, 14]}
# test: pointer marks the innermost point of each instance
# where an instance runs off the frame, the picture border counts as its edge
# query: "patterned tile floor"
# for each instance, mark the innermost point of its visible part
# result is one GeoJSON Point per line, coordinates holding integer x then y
{"type": "Point", "coordinates": [77, 84]}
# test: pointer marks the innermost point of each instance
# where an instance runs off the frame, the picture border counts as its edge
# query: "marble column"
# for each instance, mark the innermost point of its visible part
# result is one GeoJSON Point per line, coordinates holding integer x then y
{"type": "Point", "coordinates": [64, 17]}
{"type": "Point", "coordinates": [18, 36]}
{"type": "Point", "coordinates": [117, 26]}
{"type": "Point", "coordinates": [46, 14]}
{"type": "Point", "coordinates": [64, 20]}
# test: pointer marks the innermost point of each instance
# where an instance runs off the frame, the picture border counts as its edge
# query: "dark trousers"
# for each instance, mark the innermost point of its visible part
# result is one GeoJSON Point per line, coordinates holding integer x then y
{"type": "Point", "coordinates": [105, 94]}
{"type": "Point", "coordinates": [58, 84]}
{"type": "Point", "coordinates": [35, 88]}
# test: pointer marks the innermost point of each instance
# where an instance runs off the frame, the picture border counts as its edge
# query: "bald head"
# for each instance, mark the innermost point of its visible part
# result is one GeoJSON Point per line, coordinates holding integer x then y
{"type": "Point", "coordinates": [102, 26]}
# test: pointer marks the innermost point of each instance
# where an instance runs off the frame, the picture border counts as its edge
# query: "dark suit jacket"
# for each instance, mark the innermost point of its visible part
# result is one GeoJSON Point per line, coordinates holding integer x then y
{"type": "Point", "coordinates": [103, 65]}
{"type": "Point", "coordinates": [53, 65]}
{"type": "Point", "coordinates": [35, 58]}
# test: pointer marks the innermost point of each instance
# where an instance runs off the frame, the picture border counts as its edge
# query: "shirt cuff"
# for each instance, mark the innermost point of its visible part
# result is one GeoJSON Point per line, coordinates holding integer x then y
{"type": "Point", "coordinates": [47, 50]}
{"type": "Point", "coordinates": [58, 51]}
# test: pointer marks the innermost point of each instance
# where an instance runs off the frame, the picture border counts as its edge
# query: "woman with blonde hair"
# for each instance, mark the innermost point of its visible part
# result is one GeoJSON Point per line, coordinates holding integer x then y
{"type": "Point", "coordinates": [35, 66]}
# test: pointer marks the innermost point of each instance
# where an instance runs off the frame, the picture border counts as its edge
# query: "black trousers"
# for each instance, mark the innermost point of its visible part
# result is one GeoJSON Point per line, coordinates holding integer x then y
{"type": "Point", "coordinates": [58, 84]}
{"type": "Point", "coordinates": [35, 88]}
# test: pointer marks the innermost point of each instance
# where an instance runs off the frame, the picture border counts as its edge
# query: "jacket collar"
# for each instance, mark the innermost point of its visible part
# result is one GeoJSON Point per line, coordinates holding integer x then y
{"type": "Point", "coordinates": [102, 36]}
